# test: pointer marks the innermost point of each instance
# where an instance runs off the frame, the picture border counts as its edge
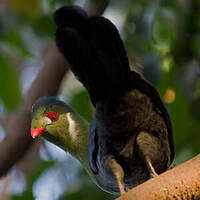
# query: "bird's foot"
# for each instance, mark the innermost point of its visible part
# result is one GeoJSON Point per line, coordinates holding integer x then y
{"type": "Point", "coordinates": [121, 189]}
{"type": "Point", "coordinates": [152, 172]}
{"type": "Point", "coordinates": [118, 173]}
{"type": "Point", "coordinates": [151, 175]}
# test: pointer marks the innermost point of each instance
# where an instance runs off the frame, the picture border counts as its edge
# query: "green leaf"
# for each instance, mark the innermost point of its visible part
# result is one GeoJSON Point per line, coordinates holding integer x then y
{"type": "Point", "coordinates": [44, 26]}
{"type": "Point", "coordinates": [197, 89]}
{"type": "Point", "coordinates": [180, 116]}
{"type": "Point", "coordinates": [81, 103]}
{"type": "Point", "coordinates": [166, 80]}
{"type": "Point", "coordinates": [178, 109]}
{"type": "Point", "coordinates": [52, 4]}
{"type": "Point", "coordinates": [163, 34]}
{"type": "Point", "coordinates": [13, 39]}
{"type": "Point", "coordinates": [10, 93]}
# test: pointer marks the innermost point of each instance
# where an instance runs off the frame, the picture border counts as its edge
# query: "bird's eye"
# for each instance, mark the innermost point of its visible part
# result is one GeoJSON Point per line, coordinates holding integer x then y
{"type": "Point", "coordinates": [53, 116]}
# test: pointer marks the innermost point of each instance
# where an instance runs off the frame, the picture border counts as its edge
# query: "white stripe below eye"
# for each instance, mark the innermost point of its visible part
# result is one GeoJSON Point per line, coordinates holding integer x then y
{"type": "Point", "coordinates": [72, 127]}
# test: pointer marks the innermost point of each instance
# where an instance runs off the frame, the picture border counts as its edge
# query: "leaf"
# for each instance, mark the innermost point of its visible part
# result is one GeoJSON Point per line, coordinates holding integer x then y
{"type": "Point", "coordinates": [197, 89]}
{"type": "Point", "coordinates": [10, 93]}
{"type": "Point", "coordinates": [14, 40]}
{"type": "Point", "coordinates": [166, 80]}
{"type": "Point", "coordinates": [180, 116]}
{"type": "Point", "coordinates": [32, 9]}
{"type": "Point", "coordinates": [52, 4]}
{"type": "Point", "coordinates": [44, 26]}
{"type": "Point", "coordinates": [178, 109]}
{"type": "Point", "coordinates": [81, 103]}
{"type": "Point", "coordinates": [163, 34]}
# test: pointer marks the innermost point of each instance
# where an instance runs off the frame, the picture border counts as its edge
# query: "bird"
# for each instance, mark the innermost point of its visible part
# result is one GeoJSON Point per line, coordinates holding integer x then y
{"type": "Point", "coordinates": [130, 136]}
{"type": "Point", "coordinates": [58, 123]}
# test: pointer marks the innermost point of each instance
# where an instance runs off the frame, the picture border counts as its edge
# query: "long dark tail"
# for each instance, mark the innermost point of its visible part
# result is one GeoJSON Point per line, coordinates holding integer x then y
{"type": "Point", "coordinates": [94, 50]}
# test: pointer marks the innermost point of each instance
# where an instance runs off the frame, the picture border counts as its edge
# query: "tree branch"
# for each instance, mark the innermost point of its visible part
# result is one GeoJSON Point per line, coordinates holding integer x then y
{"type": "Point", "coordinates": [181, 182]}
{"type": "Point", "coordinates": [18, 139]}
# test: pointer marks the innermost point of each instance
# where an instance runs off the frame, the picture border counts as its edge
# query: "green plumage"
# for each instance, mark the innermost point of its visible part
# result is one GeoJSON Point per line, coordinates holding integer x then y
{"type": "Point", "coordinates": [74, 142]}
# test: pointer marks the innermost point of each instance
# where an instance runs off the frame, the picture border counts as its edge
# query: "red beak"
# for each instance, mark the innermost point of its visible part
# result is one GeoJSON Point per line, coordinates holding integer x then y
{"type": "Point", "coordinates": [35, 132]}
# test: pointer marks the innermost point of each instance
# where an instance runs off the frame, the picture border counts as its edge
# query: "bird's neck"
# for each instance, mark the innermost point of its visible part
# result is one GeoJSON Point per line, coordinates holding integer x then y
{"type": "Point", "coordinates": [72, 136]}
{"type": "Point", "coordinates": [78, 131]}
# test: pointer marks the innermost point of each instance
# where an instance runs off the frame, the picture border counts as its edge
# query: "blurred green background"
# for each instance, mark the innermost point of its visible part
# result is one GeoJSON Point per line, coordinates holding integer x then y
{"type": "Point", "coordinates": [162, 38]}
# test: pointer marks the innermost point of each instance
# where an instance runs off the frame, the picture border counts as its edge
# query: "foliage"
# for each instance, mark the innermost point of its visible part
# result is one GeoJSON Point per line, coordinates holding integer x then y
{"type": "Point", "coordinates": [162, 35]}
{"type": "Point", "coordinates": [9, 82]}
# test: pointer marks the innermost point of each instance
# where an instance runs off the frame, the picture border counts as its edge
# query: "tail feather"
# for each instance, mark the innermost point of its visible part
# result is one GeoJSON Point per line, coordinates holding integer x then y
{"type": "Point", "coordinates": [70, 16]}
{"type": "Point", "coordinates": [82, 62]}
{"type": "Point", "coordinates": [104, 38]}
{"type": "Point", "coordinates": [94, 50]}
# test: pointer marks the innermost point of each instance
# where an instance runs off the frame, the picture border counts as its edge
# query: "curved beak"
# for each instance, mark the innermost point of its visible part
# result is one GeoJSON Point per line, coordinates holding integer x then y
{"type": "Point", "coordinates": [35, 132]}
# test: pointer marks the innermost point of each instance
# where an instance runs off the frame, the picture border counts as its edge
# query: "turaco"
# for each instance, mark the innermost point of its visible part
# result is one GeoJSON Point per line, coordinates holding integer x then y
{"type": "Point", "coordinates": [130, 137]}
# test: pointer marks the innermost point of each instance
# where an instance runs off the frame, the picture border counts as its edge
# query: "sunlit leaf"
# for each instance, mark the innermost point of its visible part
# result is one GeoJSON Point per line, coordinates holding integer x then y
{"type": "Point", "coordinates": [166, 81]}
{"type": "Point", "coordinates": [52, 4]}
{"type": "Point", "coordinates": [169, 96]}
{"type": "Point", "coordinates": [163, 35]}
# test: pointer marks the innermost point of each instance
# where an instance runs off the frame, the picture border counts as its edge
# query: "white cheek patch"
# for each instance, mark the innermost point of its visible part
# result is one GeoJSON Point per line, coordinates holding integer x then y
{"type": "Point", "coordinates": [46, 120]}
{"type": "Point", "coordinates": [72, 127]}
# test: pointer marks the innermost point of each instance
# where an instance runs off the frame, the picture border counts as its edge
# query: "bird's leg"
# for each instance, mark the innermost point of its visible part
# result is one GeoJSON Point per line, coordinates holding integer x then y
{"type": "Point", "coordinates": [150, 167]}
{"type": "Point", "coordinates": [118, 172]}
{"type": "Point", "coordinates": [150, 151]}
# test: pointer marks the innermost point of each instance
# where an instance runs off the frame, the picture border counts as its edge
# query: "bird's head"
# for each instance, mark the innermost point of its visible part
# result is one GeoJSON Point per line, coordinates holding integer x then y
{"type": "Point", "coordinates": [59, 123]}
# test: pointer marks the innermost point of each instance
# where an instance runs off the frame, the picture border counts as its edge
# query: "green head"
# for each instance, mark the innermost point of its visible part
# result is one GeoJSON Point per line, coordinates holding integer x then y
{"type": "Point", "coordinates": [60, 124]}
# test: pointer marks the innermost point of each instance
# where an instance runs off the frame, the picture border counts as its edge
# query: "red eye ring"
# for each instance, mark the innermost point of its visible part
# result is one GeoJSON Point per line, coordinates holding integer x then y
{"type": "Point", "coordinates": [53, 116]}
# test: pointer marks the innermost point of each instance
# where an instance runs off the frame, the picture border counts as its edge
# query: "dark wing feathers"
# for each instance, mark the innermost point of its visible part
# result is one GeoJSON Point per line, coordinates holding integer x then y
{"type": "Point", "coordinates": [82, 61]}
{"type": "Point", "coordinates": [93, 147]}
{"type": "Point", "coordinates": [101, 62]}
{"type": "Point", "coordinates": [150, 91]}
{"type": "Point", "coordinates": [104, 38]}
{"type": "Point", "coordinates": [98, 58]}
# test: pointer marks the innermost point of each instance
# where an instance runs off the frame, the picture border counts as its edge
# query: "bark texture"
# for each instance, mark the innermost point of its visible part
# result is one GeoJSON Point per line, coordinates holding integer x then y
{"type": "Point", "coordinates": [182, 182]}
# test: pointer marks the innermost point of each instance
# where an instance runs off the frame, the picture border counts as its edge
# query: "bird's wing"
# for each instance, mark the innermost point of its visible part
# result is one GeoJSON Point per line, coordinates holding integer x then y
{"type": "Point", "coordinates": [95, 51]}
{"type": "Point", "coordinates": [106, 42]}
{"type": "Point", "coordinates": [150, 91]}
{"type": "Point", "coordinates": [71, 39]}
{"type": "Point", "coordinates": [93, 147]}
